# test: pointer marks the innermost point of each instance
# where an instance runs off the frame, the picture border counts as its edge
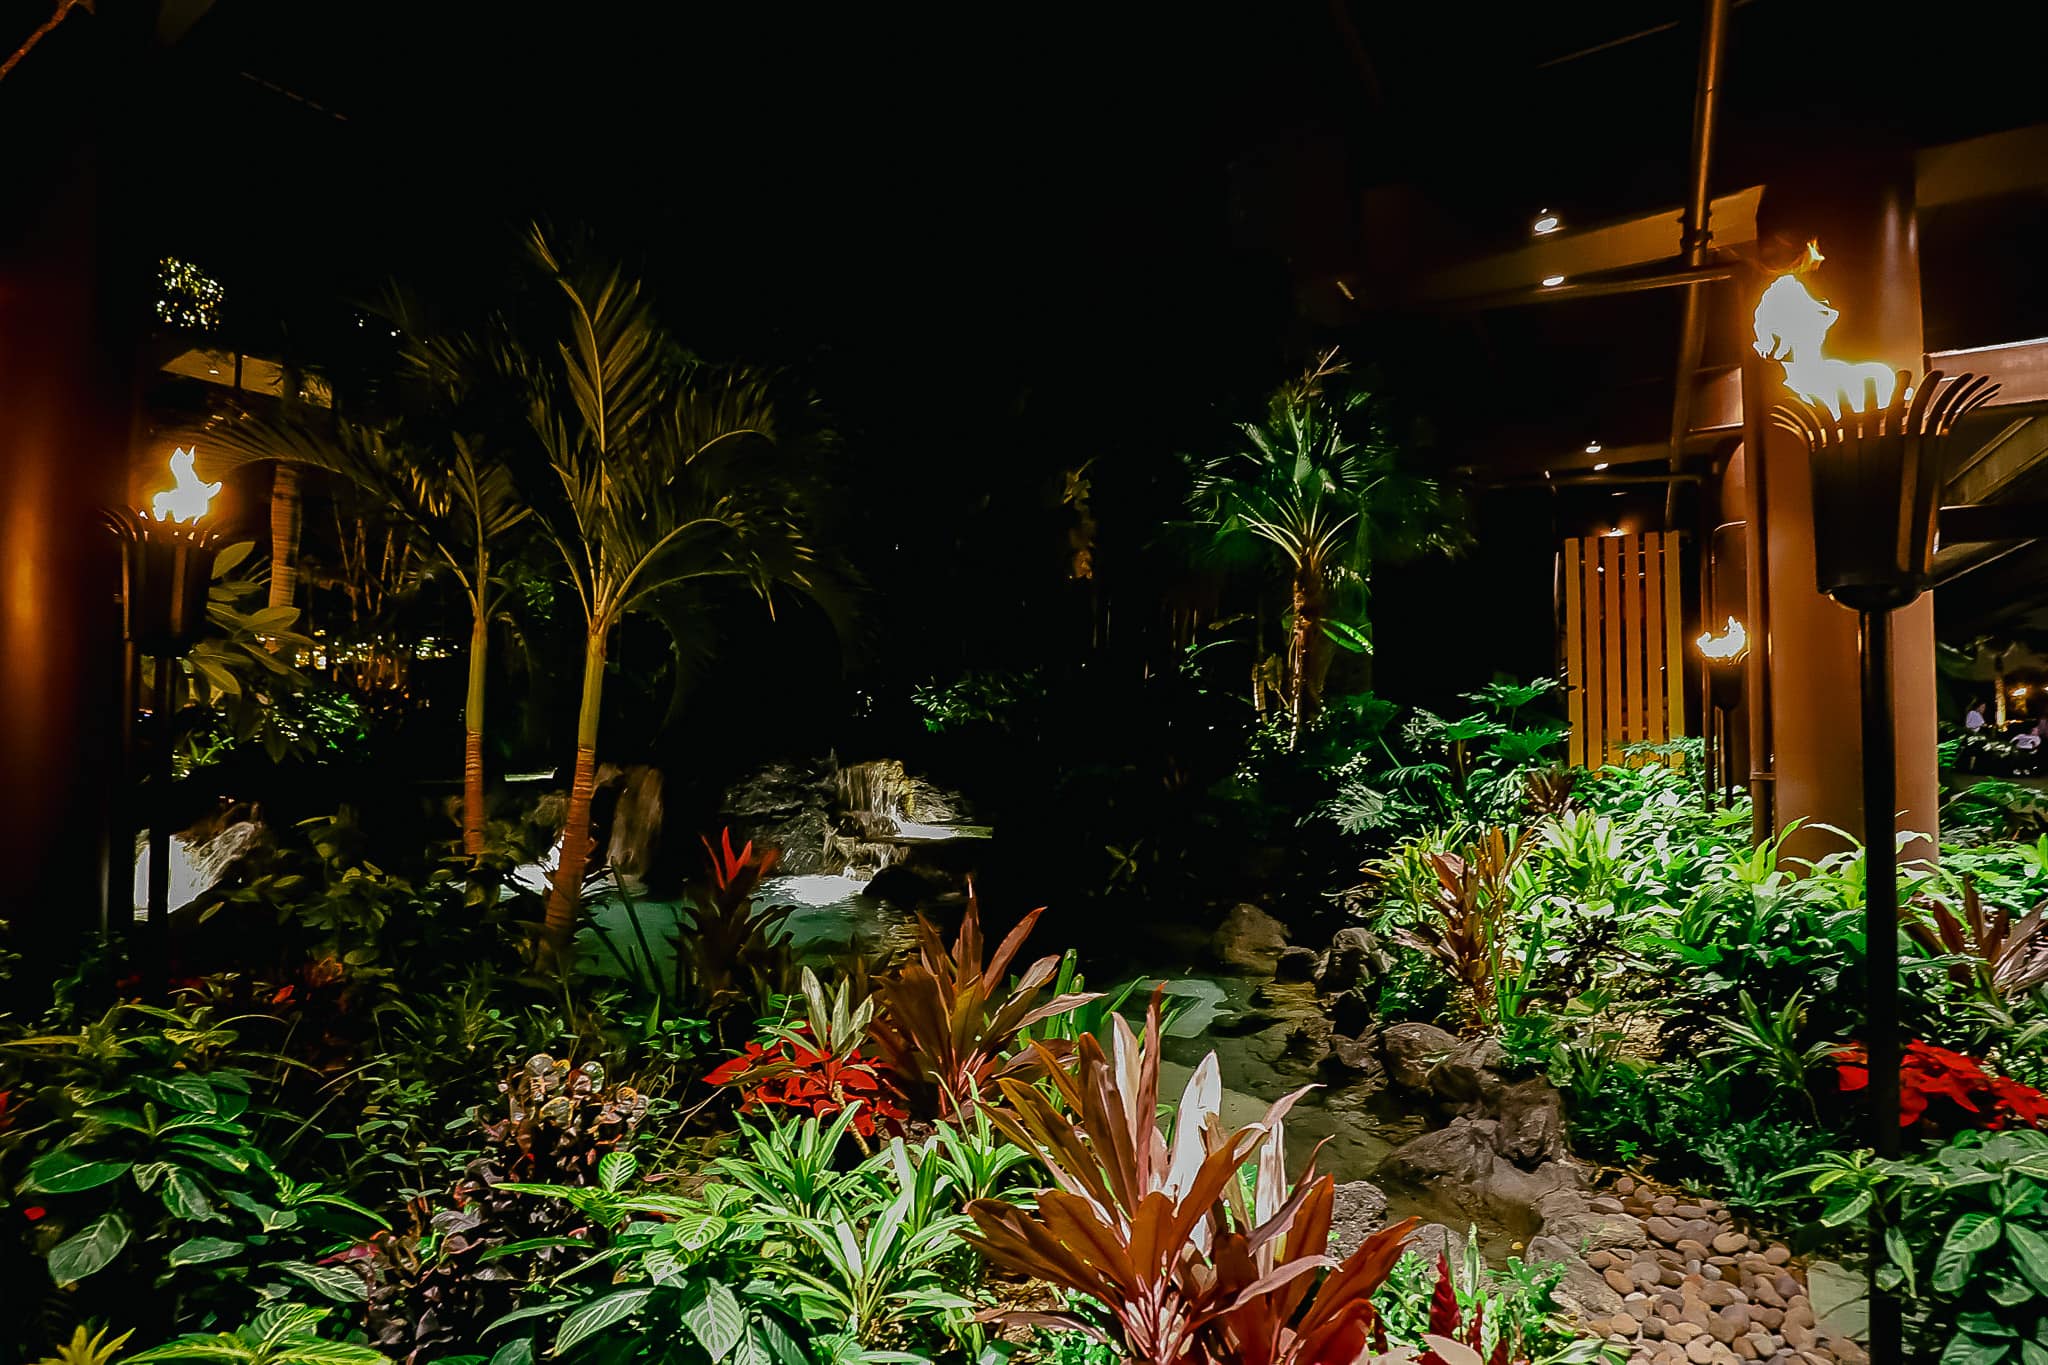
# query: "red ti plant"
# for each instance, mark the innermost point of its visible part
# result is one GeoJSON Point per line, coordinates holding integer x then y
{"type": "Point", "coordinates": [1999, 959]}
{"type": "Point", "coordinates": [1937, 1083]}
{"type": "Point", "coordinates": [1160, 1230]}
{"type": "Point", "coordinates": [949, 1021]}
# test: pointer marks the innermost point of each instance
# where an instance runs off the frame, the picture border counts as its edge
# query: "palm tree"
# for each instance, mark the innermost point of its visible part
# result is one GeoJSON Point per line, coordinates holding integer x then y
{"type": "Point", "coordinates": [667, 472]}
{"type": "Point", "coordinates": [1321, 481]}
{"type": "Point", "coordinates": [460, 504]}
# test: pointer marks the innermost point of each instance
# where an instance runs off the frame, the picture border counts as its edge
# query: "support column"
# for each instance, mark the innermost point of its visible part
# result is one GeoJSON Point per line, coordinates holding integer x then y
{"type": "Point", "coordinates": [1859, 207]}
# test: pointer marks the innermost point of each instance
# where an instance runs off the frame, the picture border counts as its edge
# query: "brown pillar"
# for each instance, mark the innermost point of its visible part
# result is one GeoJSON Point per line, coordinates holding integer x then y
{"type": "Point", "coordinates": [1859, 207]}
{"type": "Point", "coordinates": [72, 285]}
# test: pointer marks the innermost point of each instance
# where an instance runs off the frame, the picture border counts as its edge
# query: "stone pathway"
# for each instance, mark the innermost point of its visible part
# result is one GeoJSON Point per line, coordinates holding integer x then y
{"type": "Point", "coordinates": [1705, 1293]}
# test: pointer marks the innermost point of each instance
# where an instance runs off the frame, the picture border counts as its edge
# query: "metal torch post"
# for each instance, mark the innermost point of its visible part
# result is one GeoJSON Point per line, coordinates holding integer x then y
{"type": "Point", "coordinates": [1881, 946]}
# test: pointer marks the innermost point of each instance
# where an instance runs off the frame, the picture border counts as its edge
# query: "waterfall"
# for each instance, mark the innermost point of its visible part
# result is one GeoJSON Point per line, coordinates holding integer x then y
{"type": "Point", "coordinates": [197, 865]}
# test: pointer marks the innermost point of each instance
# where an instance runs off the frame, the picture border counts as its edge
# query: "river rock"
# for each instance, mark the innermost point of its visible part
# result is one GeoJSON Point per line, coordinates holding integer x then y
{"type": "Point", "coordinates": [1470, 1076]}
{"type": "Point", "coordinates": [1354, 959]}
{"type": "Point", "coordinates": [1358, 1208]}
{"type": "Point", "coordinates": [1531, 1124]}
{"type": "Point", "coordinates": [1360, 1056]}
{"type": "Point", "coordinates": [1249, 939]}
{"type": "Point", "coordinates": [1413, 1051]}
{"type": "Point", "coordinates": [1295, 964]}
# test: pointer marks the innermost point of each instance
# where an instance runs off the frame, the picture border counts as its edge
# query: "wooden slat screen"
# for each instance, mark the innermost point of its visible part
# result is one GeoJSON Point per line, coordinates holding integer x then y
{"type": "Point", "coordinates": [1623, 663]}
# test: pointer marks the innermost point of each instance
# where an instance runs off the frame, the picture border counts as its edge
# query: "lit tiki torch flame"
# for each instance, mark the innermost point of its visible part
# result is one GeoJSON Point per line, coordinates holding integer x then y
{"type": "Point", "coordinates": [1729, 644]}
{"type": "Point", "coordinates": [187, 500]}
{"type": "Point", "coordinates": [1791, 327]}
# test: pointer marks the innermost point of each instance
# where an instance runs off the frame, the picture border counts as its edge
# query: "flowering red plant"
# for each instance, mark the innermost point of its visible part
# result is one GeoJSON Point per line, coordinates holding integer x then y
{"type": "Point", "coordinates": [1928, 1073]}
{"type": "Point", "coordinates": [787, 1074]}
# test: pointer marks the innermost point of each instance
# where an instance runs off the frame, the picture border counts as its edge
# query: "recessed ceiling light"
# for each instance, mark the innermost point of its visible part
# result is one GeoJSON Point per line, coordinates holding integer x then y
{"type": "Point", "coordinates": [1546, 223]}
{"type": "Point", "coordinates": [1592, 447]}
{"type": "Point", "coordinates": [1598, 467]}
{"type": "Point", "coordinates": [1552, 281]}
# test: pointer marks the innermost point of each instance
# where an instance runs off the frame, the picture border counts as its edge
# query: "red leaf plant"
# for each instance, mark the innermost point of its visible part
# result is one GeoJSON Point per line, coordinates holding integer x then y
{"type": "Point", "coordinates": [788, 1075]}
{"type": "Point", "coordinates": [948, 1021]}
{"type": "Point", "coordinates": [1972, 1095]}
{"type": "Point", "coordinates": [1161, 1232]}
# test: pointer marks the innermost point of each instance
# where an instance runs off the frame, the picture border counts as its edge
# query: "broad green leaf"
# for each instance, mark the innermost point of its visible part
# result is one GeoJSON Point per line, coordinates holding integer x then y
{"type": "Point", "coordinates": [2007, 1292]}
{"type": "Point", "coordinates": [336, 1282]}
{"type": "Point", "coordinates": [91, 1248]}
{"type": "Point", "coordinates": [199, 1250]}
{"type": "Point", "coordinates": [1964, 1349]}
{"type": "Point", "coordinates": [1849, 1209]}
{"type": "Point", "coordinates": [224, 1347]}
{"type": "Point", "coordinates": [519, 1352]}
{"type": "Point", "coordinates": [63, 1173]}
{"type": "Point", "coordinates": [616, 1171]}
{"type": "Point", "coordinates": [2032, 1353]}
{"type": "Point", "coordinates": [182, 1091]}
{"type": "Point", "coordinates": [1972, 1233]}
{"type": "Point", "coordinates": [1901, 1253]}
{"type": "Point", "coordinates": [185, 1197]}
{"type": "Point", "coordinates": [716, 1319]}
{"type": "Point", "coordinates": [304, 1350]}
{"type": "Point", "coordinates": [595, 1316]}
{"type": "Point", "coordinates": [697, 1229]}
{"type": "Point", "coordinates": [2031, 1250]}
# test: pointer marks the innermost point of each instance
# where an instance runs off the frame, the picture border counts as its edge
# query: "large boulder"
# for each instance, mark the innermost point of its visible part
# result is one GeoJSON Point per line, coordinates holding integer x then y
{"type": "Point", "coordinates": [1413, 1051]}
{"type": "Point", "coordinates": [1358, 1209]}
{"type": "Point", "coordinates": [1457, 1165]}
{"type": "Point", "coordinates": [1468, 1077]}
{"type": "Point", "coordinates": [1249, 939]}
{"type": "Point", "coordinates": [1432, 1240]}
{"type": "Point", "coordinates": [1354, 959]}
{"type": "Point", "coordinates": [1295, 964]}
{"type": "Point", "coordinates": [1359, 1057]}
{"type": "Point", "coordinates": [1531, 1118]}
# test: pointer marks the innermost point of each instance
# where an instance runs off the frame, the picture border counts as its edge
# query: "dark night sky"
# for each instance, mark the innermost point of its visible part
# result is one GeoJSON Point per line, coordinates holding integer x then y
{"type": "Point", "coordinates": [1004, 242]}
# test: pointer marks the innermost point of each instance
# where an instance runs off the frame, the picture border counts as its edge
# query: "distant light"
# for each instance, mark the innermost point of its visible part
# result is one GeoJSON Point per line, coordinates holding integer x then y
{"type": "Point", "coordinates": [394, 331]}
{"type": "Point", "coordinates": [1615, 532]}
{"type": "Point", "coordinates": [211, 370]}
{"type": "Point", "coordinates": [1547, 224]}
{"type": "Point", "coordinates": [1592, 447]}
{"type": "Point", "coordinates": [1598, 467]}
{"type": "Point", "coordinates": [1552, 281]}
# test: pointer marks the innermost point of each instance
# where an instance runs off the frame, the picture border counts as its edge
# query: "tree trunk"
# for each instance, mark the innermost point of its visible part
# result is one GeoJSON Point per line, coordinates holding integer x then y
{"type": "Point", "coordinates": [576, 841]}
{"type": "Point", "coordinates": [473, 739]}
{"type": "Point", "coordinates": [284, 535]}
{"type": "Point", "coordinates": [1298, 698]}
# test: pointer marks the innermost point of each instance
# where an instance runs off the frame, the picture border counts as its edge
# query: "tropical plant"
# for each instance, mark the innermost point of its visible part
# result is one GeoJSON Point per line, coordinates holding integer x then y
{"type": "Point", "coordinates": [87, 1348]}
{"type": "Point", "coordinates": [1472, 906]}
{"type": "Point", "coordinates": [1988, 954]}
{"type": "Point", "coordinates": [1321, 481]}
{"type": "Point", "coordinates": [1766, 1042]}
{"type": "Point", "coordinates": [453, 496]}
{"type": "Point", "coordinates": [1949, 1088]}
{"type": "Point", "coordinates": [876, 1274]}
{"type": "Point", "coordinates": [1159, 1229]}
{"type": "Point", "coordinates": [1500, 1318]}
{"type": "Point", "coordinates": [792, 1168]}
{"type": "Point", "coordinates": [664, 472]}
{"type": "Point", "coordinates": [1966, 1242]}
{"type": "Point", "coordinates": [283, 1334]}
{"type": "Point", "coordinates": [948, 1020]}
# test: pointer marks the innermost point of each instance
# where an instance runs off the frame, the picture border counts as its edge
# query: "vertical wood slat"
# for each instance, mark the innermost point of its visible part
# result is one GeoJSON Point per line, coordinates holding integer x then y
{"type": "Point", "coordinates": [1623, 653]}
{"type": "Point", "coordinates": [1596, 658]}
{"type": "Point", "coordinates": [1655, 567]}
{"type": "Point", "coordinates": [1674, 657]}
{"type": "Point", "coordinates": [1636, 689]}
{"type": "Point", "coordinates": [1617, 679]}
{"type": "Point", "coordinates": [1574, 646]}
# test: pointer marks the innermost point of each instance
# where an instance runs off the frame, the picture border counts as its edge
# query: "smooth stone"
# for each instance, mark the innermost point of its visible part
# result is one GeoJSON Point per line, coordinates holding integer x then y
{"type": "Point", "coordinates": [1777, 1254]}
{"type": "Point", "coordinates": [1605, 1204]}
{"type": "Point", "coordinates": [1618, 1280]}
{"type": "Point", "coordinates": [1682, 1332]}
{"type": "Point", "coordinates": [1700, 1350]}
{"type": "Point", "coordinates": [1664, 1230]}
{"type": "Point", "coordinates": [1728, 1243]}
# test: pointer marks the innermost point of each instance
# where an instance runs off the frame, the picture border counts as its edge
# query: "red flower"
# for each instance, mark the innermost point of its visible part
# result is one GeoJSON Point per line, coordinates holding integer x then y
{"type": "Point", "coordinates": [1928, 1073]}
{"type": "Point", "coordinates": [35, 1213]}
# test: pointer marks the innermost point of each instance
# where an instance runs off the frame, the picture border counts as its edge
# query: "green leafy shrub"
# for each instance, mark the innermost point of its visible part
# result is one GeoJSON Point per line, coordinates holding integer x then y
{"type": "Point", "coordinates": [1966, 1241]}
